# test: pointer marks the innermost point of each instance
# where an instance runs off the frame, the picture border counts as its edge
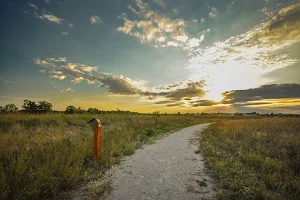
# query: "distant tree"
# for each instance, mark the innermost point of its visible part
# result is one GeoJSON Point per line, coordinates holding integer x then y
{"type": "Point", "coordinates": [80, 110]}
{"type": "Point", "coordinates": [9, 108]}
{"type": "Point", "coordinates": [70, 110]}
{"type": "Point", "coordinates": [238, 114]}
{"type": "Point", "coordinates": [44, 107]}
{"type": "Point", "coordinates": [30, 106]}
{"type": "Point", "coordinates": [93, 110]}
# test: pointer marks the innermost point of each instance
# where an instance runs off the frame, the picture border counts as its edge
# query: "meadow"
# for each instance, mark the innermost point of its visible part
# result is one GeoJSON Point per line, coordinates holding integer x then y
{"type": "Point", "coordinates": [254, 158]}
{"type": "Point", "coordinates": [45, 156]}
{"type": "Point", "coordinates": [42, 156]}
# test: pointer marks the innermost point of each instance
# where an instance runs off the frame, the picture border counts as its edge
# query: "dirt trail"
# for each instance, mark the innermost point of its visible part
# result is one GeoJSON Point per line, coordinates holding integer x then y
{"type": "Point", "coordinates": [168, 169]}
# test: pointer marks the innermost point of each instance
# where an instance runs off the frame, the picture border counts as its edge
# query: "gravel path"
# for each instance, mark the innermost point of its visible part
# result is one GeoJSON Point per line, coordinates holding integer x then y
{"type": "Point", "coordinates": [169, 169]}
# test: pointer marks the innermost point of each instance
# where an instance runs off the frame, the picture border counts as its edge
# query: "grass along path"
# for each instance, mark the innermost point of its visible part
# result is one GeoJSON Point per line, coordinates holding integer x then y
{"type": "Point", "coordinates": [43, 156]}
{"type": "Point", "coordinates": [254, 158]}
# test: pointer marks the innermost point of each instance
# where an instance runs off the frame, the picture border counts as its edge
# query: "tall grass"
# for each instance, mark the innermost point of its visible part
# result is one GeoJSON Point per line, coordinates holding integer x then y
{"type": "Point", "coordinates": [254, 159]}
{"type": "Point", "coordinates": [43, 155]}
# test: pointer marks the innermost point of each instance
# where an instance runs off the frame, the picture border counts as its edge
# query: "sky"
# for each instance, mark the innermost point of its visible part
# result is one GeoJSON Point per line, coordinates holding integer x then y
{"type": "Point", "coordinates": [152, 55]}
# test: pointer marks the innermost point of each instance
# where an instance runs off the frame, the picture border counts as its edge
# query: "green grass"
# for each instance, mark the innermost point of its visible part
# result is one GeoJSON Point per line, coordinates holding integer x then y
{"type": "Point", "coordinates": [254, 158]}
{"type": "Point", "coordinates": [42, 156]}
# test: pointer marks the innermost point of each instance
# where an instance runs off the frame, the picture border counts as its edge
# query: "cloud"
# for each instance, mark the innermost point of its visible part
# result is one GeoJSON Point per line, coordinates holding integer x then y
{"type": "Point", "coordinates": [155, 28]}
{"type": "Point", "coordinates": [95, 20]}
{"type": "Point", "coordinates": [50, 17]}
{"type": "Point", "coordinates": [213, 13]}
{"type": "Point", "coordinates": [282, 28]}
{"type": "Point", "coordinates": [247, 56]}
{"type": "Point", "coordinates": [175, 104]}
{"type": "Point", "coordinates": [70, 25]}
{"type": "Point", "coordinates": [33, 6]}
{"type": "Point", "coordinates": [203, 102]}
{"type": "Point", "coordinates": [64, 33]}
{"type": "Point", "coordinates": [274, 91]}
{"type": "Point", "coordinates": [8, 81]}
{"type": "Point", "coordinates": [161, 3]}
{"type": "Point", "coordinates": [179, 91]}
{"type": "Point", "coordinates": [175, 10]}
{"type": "Point", "coordinates": [59, 68]}
{"type": "Point", "coordinates": [69, 90]}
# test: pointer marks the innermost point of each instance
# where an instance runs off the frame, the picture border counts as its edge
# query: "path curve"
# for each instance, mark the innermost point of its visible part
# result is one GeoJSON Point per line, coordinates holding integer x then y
{"type": "Point", "coordinates": [168, 169]}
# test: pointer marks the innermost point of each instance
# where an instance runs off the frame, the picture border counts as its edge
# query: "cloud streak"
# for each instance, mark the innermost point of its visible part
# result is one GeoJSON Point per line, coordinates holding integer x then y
{"type": "Point", "coordinates": [50, 17]}
{"type": "Point", "coordinates": [60, 69]}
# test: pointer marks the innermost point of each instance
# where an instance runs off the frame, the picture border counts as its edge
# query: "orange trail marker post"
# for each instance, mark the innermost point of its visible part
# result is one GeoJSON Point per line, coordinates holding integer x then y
{"type": "Point", "coordinates": [96, 127]}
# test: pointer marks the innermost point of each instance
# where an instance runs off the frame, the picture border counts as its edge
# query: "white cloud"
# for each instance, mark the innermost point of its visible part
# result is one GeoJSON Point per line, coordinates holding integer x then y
{"type": "Point", "coordinates": [58, 77]}
{"type": "Point", "coordinates": [33, 6]}
{"type": "Point", "coordinates": [152, 27]}
{"type": "Point", "coordinates": [70, 25]}
{"type": "Point", "coordinates": [201, 38]}
{"type": "Point", "coordinates": [172, 44]}
{"type": "Point", "coordinates": [245, 57]}
{"type": "Point", "coordinates": [157, 29]}
{"type": "Point", "coordinates": [160, 2]}
{"type": "Point", "coordinates": [64, 33]}
{"type": "Point", "coordinates": [95, 20]}
{"type": "Point", "coordinates": [141, 5]}
{"type": "Point", "coordinates": [69, 90]}
{"type": "Point", "coordinates": [50, 17]}
{"type": "Point", "coordinates": [213, 13]}
{"type": "Point", "coordinates": [175, 10]}
{"type": "Point", "coordinates": [202, 19]}
{"type": "Point", "coordinates": [182, 38]}
{"type": "Point", "coordinates": [193, 42]}
{"type": "Point", "coordinates": [127, 27]}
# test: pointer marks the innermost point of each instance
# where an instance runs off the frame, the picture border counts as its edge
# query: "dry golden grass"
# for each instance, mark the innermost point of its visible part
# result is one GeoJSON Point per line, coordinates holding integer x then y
{"type": "Point", "coordinates": [254, 158]}
{"type": "Point", "coordinates": [43, 155]}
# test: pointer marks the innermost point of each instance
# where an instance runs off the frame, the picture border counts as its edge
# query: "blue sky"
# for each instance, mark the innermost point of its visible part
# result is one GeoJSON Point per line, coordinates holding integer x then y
{"type": "Point", "coordinates": [148, 55]}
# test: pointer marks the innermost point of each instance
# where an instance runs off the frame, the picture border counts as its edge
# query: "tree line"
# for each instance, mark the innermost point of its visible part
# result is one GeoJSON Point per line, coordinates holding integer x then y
{"type": "Point", "coordinates": [46, 107]}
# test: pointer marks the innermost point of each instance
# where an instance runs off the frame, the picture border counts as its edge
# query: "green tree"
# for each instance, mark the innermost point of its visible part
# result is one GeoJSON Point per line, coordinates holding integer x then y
{"type": "Point", "coordinates": [44, 107]}
{"type": "Point", "coordinates": [9, 108]}
{"type": "Point", "coordinates": [30, 106]}
{"type": "Point", "coordinates": [70, 110]}
{"type": "Point", "coordinates": [80, 110]}
{"type": "Point", "coordinates": [93, 110]}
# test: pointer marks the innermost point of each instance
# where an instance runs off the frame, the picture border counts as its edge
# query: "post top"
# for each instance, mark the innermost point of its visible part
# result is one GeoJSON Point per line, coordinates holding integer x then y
{"type": "Point", "coordinates": [93, 120]}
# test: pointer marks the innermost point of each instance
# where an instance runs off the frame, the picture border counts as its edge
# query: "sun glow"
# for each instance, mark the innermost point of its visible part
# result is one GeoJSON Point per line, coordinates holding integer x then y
{"type": "Point", "coordinates": [214, 95]}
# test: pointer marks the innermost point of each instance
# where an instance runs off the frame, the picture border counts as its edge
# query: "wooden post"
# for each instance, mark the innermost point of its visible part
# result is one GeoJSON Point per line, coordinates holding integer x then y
{"type": "Point", "coordinates": [96, 127]}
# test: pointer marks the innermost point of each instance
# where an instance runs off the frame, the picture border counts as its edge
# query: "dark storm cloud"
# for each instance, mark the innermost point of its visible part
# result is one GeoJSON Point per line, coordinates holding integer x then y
{"type": "Point", "coordinates": [117, 85]}
{"type": "Point", "coordinates": [203, 103]}
{"type": "Point", "coordinates": [180, 91]}
{"type": "Point", "coordinates": [274, 91]}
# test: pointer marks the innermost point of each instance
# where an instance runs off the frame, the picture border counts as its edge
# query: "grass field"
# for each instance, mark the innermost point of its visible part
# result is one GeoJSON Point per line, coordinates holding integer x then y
{"type": "Point", "coordinates": [254, 158]}
{"type": "Point", "coordinates": [44, 155]}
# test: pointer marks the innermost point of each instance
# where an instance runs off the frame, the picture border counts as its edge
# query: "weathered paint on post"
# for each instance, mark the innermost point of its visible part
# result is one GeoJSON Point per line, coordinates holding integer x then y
{"type": "Point", "coordinates": [97, 128]}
